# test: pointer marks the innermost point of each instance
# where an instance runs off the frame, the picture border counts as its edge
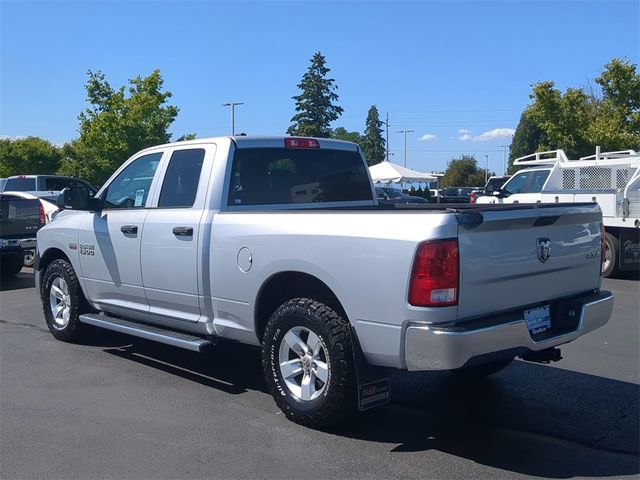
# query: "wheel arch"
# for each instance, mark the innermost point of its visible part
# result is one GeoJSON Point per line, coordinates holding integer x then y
{"type": "Point", "coordinates": [283, 286]}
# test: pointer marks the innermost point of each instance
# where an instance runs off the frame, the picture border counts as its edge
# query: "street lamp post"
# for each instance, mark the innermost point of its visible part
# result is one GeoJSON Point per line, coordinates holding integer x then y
{"type": "Point", "coordinates": [233, 111]}
{"type": "Point", "coordinates": [504, 157]}
{"type": "Point", "coordinates": [486, 169]}
{"type": "Point", "coordinates": [405, 144]}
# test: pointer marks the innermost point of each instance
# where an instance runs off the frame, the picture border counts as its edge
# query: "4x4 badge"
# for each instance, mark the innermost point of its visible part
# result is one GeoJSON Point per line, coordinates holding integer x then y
{"type": "Point", "coordinates": [544, 249]}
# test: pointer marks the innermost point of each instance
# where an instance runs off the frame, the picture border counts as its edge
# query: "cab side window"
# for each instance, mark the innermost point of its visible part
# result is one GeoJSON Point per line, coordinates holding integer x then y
{"type": "Point", "coordinates": [130, 188]}
{"type": "Point", "coordinates": [181, 180]}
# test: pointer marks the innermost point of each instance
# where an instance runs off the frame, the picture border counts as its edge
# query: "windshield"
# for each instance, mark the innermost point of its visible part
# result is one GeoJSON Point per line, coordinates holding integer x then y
{"type": "Point", "coordinates": [391, 192]}
{"type": "Point", "coordinates": [20, 184]}
{"type": "Point", "coordinates": [526, 182]}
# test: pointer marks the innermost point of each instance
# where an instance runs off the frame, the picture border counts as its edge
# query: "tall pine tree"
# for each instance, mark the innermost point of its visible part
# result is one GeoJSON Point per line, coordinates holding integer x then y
{"type": "Point", "coordinates": [316, 106]}
{"type": "Point", "coordinates": [373, 143]}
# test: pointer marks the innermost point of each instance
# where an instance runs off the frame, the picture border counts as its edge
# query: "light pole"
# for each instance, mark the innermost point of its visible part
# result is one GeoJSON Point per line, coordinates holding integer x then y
{"type": "Point", "coordinates": [504, 157]}
{"type": "Point", "coordinates": [486, 169]}
{"type": "Point", "coordinates": [233, 111]}
{"type": "Point", "coordinates": [386, 124]}
{"type": "Point", "coordinates": [405, 144]}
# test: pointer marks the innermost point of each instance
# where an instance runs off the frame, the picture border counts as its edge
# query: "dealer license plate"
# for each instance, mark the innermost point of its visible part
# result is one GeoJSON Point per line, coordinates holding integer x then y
{"type": "Point", "coordinates": [538, 320]}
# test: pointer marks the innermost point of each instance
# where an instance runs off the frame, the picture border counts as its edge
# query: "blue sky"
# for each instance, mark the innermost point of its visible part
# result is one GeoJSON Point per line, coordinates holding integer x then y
{"type": "Point", "coordinates": [453, 70]}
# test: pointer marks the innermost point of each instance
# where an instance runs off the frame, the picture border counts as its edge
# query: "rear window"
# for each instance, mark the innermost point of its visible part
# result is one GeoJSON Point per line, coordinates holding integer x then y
{"type": "Point", "coordinates": [55, 184]}
{"type": "Point", "coordinates": [20, 185]}
{"type": "Point", "coordinates": [269, 176]}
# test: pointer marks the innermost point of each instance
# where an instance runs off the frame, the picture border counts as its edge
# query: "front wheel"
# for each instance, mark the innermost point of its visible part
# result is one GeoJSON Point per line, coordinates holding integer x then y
{"type": "Point", "coordinates": [62, 301]}
{"type": "Point", "coordinates": [308, 363]}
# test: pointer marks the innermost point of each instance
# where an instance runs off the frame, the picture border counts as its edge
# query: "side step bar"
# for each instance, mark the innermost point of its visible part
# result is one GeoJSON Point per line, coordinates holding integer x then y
{"type": "Point", "coordinates": [149, 332]}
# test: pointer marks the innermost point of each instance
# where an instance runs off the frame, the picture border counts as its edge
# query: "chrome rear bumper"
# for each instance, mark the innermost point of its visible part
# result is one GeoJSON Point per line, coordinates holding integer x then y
{"type": "Point", "coordinates": [429, 347]}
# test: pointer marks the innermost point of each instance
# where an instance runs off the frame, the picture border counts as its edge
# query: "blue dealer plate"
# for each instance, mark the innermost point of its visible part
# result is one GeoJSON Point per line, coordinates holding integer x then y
{"type": "Point", "coordinates": [538, 320]}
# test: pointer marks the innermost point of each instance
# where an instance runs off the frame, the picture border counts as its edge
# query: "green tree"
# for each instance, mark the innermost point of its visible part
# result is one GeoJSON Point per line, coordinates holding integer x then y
{"type": "Point", "coordinates": [373, 143]}
{"type": "Point", "coordinates": [463, 172]}
{"type": "Point", "coordinates": [578, 120]}
{"type": "Point", "coordinates": [316, 106]}
{"type": "Point", "coordinates": [342, 133]}
{"type": "Point", "coordinates": [118, 123]}
{"type": "Point", "coordinates": [528, 137]}
{"type": "Point", "coordinates": [30, 155]}
{"type": "Point", "coordinates": [186, 136]}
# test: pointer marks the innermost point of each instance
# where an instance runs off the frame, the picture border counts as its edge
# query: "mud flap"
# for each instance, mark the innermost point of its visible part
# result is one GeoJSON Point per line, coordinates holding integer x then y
{"type": "Point", "coordinates": [374, 389]}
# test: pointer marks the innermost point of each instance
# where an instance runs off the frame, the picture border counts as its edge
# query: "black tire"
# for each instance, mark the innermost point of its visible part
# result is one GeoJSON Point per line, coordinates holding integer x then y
{"type": "Point", "coordinates": [612, 245]}
{"type": "Point", "coordinates": [29, 258]}
{"type": "Point", "coordinates": [72, 330]}
{"type": "Point", "coordinates": [481, 371]}
{"type": "Point", "coordinates": [11, 264]}
{"type": "Point", "coordinates": [337, 400]}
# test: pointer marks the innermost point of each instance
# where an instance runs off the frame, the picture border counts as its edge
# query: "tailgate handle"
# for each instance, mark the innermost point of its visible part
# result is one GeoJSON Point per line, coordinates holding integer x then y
{"type": "Point", "coordinates": [544, 221]}
{"type": "Point", "coordinates": [183, 231]}
{"type": "Point", "coordinates": [129, 229]}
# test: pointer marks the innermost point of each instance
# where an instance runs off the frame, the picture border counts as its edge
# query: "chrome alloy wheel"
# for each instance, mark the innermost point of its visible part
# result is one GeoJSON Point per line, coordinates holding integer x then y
{"type": "Point", "coordinates": [60, 303]}
{"type": "Point", "coordinates": [303, 363]}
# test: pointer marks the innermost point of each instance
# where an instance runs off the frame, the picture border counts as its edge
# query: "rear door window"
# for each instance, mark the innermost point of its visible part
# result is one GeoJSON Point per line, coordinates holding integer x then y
{"type": "Point", "coordinates": [277, 176]}
{"type": "Point", "coordinates": [181, 180]}
{"type": "Point", "coordinates": [20, 185]}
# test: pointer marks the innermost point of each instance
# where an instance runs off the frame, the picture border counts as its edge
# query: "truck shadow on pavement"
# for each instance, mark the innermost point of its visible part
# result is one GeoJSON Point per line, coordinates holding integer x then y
{"type": "Point", "coordinates": [20, 281]}
{"type": "Point", "coordinates": [530, 419]}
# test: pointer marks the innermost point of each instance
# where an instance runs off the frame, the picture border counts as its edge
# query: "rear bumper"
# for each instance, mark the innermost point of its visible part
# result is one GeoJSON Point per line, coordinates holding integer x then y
{"type": "Point", "coordinates": [17, 244]}
{"type": "Point", "coordinates": [429, 347]}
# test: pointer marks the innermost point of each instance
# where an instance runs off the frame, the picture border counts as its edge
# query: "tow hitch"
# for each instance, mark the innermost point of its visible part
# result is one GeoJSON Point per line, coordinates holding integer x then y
{"type": "Point", "coordinates": [543, 356]}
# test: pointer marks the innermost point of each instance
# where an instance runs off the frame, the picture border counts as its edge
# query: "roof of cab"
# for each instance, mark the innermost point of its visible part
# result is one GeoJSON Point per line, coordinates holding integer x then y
{"type": "Point", "coordinates": [247, 141]}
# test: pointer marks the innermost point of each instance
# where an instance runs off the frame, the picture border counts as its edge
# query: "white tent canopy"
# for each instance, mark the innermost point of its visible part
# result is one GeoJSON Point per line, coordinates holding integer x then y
{"type": "Point", "coordinates": [387, 172]}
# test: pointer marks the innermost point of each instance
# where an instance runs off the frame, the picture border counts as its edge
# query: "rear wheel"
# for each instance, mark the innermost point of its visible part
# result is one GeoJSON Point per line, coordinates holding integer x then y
{"type": "Point", "coordinates": [610, 264]}
{"type": "Point", "coordinates": [11, 264]}
{"type": "Point", "coordinates": [308, 363]}
{"type": "Point", "coordinates": [62, 301]}
{"type": "Point", "coordinates": [29, 258]}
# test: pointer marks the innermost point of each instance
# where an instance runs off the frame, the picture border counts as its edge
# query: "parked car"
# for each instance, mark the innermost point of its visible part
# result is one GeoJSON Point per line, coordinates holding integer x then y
{"type": "Point", "coordinates": [393, 196]}
{"type": "Point", "coordinates": [49, 204]}
{"type": "Point", "coordinates": [44, 184]}
{"type": "Point", "coordinates": [280, 242]}
{"type": "Point", "coordinates": [493, 184]}
{"type": "Point", "coordinates": [456, 194]}
{"type": "Point", "coordinates": [20, 220]}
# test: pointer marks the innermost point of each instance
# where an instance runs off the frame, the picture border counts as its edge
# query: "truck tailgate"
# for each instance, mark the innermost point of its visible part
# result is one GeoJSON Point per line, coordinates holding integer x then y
{"type": "Point", "coordinates": [511, 258]}
{"type": "Point", "coordinates": [19, 217]}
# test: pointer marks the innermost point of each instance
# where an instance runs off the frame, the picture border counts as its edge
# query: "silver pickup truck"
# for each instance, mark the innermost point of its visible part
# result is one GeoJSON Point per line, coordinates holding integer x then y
{"type": "Point", "coordinates": [280, 243]}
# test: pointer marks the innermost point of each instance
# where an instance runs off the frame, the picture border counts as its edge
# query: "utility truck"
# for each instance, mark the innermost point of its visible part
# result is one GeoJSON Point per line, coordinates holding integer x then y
{"type": "Point", "coordinates": [280, 242]}
{"type": "Point", "coordinates": [612, 179]}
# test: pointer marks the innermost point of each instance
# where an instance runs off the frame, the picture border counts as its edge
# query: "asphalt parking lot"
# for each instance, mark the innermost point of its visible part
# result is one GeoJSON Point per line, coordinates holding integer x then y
{"type": "Point", "coordinates": [118, 407]}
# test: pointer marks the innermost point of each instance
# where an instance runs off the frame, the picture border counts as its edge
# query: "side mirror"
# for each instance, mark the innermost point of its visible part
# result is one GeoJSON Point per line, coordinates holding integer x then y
{"type": "Point", "coordinates": [78, 198]}
{"type": "Point", "coordinates": [489, 189]}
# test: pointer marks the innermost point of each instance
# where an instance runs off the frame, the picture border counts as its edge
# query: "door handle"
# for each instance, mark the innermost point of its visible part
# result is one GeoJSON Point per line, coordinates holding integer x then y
{"type": "Point", "coordinates": [183, 231]}
{"type": "Point", "coordinates": [129, 229]}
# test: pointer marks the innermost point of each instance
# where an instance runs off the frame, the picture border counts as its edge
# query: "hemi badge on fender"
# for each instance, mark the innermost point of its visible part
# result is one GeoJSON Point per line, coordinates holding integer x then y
{"type": "Point", "coordinates": [73, 246]}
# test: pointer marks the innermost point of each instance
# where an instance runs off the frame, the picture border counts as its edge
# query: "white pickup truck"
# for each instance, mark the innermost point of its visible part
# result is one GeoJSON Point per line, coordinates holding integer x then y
{"type": "Point", "coordinates": [280, 243]}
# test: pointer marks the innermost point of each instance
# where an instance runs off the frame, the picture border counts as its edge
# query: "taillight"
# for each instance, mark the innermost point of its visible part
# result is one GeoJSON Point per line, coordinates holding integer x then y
{"type": "Point", "coordinates": [43, 217]}
{"type": "Point", "coordinates": [472, 197]}
{"type": "Point", "coordinates": [603, 248]}
{"type": "Point", "coordinates": [435, 274]}
{"type": "Point", "coordinates": [301, 143]}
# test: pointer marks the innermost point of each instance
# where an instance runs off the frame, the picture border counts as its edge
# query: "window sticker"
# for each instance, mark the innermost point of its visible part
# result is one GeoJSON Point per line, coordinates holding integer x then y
{"type": "Point", "coordinates": [139, 198]}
